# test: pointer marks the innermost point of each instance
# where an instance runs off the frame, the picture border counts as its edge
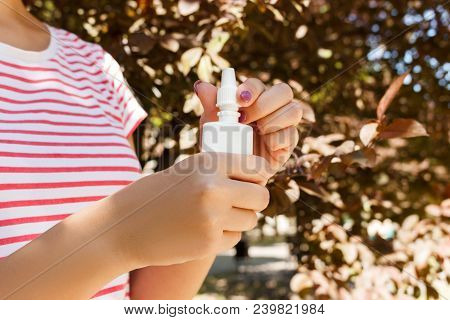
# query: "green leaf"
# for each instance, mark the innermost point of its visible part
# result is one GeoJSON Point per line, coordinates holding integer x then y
{"type": "Point", "coordinates": [189, 59]}
{"type": "Point", "coordinates": [219, 61]}
{"type": "Point", "coordinates": [324, 53]}
{"type": "Point", "coordinates": [205, 69]}
{"type": "Point", "coordinates": [217, 42]}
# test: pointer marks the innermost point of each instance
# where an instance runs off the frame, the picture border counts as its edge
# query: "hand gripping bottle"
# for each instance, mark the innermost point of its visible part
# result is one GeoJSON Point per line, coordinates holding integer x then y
{"type": "Point", "coordinates": [227, 135]}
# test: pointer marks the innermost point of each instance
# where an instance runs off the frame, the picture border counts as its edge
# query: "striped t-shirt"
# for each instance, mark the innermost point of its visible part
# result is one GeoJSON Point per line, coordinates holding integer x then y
{"type": "Point", "coordinates": [65, 115]}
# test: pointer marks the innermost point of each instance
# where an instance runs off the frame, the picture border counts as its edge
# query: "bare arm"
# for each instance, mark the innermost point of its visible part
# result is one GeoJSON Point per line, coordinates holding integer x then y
{"type": "Point", "coordinates": [180, 281]}
{"type": "Point", "coordinates": [63, 263]}
{"type": "Point", "coordinates": [175, 282]}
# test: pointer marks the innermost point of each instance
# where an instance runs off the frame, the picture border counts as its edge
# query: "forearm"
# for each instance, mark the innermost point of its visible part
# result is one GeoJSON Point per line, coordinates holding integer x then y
{"type": "Point", "coordinates": [181, 281]}
{"type": "Point", "coordinates": [72, 260]}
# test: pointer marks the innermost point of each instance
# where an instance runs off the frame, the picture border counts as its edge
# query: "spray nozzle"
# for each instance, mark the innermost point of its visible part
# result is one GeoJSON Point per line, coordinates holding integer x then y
{"type": "Point", "coordinates": [228, 78]}
{"type": "Point", "coordinates": [226, 97]}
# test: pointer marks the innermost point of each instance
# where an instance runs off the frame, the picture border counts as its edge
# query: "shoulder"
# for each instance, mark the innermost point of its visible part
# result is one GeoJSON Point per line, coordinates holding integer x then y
{"type": "Point", "coordinates": [72, 47]}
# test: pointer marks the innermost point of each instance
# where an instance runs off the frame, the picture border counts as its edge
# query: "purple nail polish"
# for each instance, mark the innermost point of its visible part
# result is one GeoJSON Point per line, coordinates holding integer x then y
{"type": "Point", "coordinates": [196, 83]}
{"type": "Point", "coordinates": [246, 96]}
{"type": "Point", "coordinates": [242, 117]}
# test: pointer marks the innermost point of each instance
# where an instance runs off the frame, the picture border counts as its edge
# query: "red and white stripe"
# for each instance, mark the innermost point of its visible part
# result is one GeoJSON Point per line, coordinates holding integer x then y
{"type": "Point", "coordinates": [65, 115]}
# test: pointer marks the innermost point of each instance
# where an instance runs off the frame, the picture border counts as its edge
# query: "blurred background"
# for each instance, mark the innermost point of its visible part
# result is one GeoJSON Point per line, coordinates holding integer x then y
{"type": "Point", "coordinates": [362, 210]}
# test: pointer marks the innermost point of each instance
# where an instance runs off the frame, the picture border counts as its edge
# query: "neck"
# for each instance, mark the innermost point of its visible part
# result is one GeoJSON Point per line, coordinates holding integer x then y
{"type": "Point", "coordinates": [15, 15]}
{"type": "Point", "coordinates": [20, 29]}
{"type": "Point", "coordinates": [10, 10]}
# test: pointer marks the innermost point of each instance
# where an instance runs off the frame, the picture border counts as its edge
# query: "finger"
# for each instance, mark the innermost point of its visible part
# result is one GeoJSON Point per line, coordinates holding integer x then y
{"type": "Point", "coordinates": [279, 157]}
{"type": "Point", "coordinates": [229, 240]}
{"type": "Point", "coordinates": [289, 115]}
{"type": "Point", "coordinates": [282, 139]}
{"type": "Point", "coordinates": [249, 91]}
{"type": "Point", "coordinates": [270, 100]}
{"type": "Point", "coordinates": [248, 168]}
{"type": "Point", "coordinates": [207, 94]}
{"type": "Point", "coordinates": [248, 196]}
{"type": "Point", "coordinates": [240, 220]}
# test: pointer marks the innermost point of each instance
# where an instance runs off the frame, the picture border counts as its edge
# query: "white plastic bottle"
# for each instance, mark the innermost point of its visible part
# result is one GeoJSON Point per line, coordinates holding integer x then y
{"type": "Point", "coordinates": [227, 135]}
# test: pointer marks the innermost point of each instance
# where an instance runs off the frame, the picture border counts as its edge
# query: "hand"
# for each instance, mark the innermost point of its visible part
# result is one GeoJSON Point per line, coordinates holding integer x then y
{"type": "Point", "coordinates": [272, 111]}
{"type": "Point", "coordinates": [201, 205]}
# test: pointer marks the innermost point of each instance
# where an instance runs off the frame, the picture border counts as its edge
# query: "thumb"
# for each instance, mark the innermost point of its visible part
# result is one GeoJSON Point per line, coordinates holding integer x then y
{"type": "Point", "coordinates": [207, 93]}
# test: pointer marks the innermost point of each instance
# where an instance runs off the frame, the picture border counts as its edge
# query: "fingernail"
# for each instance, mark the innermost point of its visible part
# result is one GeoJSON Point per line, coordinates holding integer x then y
{"type": "Point", "coordinates": [246, 96]}
{"type": "Point", "coordinates": [242, 117]}
{"type": "Point", "coordinates": [196, 83]}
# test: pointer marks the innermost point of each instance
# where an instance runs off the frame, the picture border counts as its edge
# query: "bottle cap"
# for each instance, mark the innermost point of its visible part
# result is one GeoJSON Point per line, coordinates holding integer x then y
{"type": "Point", "coordinates": [226, 97]}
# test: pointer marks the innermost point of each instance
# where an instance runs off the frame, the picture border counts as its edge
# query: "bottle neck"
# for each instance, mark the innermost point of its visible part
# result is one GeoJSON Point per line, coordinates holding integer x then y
{"type": "Point", "coordinates": [228, 116]}
{"type": "Point", "coordinates": [228, 112]}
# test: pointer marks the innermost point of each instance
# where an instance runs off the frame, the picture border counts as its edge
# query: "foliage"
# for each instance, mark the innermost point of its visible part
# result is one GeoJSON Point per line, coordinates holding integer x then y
{"type": "Point", "coordinates": [354, 223]}
{"type": "Point", "coordinates": [415, 263]}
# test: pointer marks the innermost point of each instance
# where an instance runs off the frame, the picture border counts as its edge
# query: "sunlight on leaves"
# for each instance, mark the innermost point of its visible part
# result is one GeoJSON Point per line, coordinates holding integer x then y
{"type": "Point", "coordinates": [189, 59]}
{"type": "Point", "coordinates": [368, 132]}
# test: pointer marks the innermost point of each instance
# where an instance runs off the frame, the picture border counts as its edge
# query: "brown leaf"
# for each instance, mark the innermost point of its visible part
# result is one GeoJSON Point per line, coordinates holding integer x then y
{"type": "Point", "coordinates": [141, 41]}
{"type": "Point", "coordinates": [403, 128]}
{"type": "Point", "coordinates": [337, 169]}
{"type": "Point", "coordinates": [365, 157]}
{"type": "Point", "coordinates": [279, 201]}
{"type": "Point", "coordinates": [321, 167]}
{"type": "Point", "coordinates": [312, 189]}
{"type": "Point", "coordinates": [371, 156]}
{"type": "Point", "coordinates": [143, 5]}
{"type": "Point", "coordinates": [187, 7]}
{"type": "Point", "coordinates": [389, 95]}
{"type": "Point", "coordinates": [368, 132]}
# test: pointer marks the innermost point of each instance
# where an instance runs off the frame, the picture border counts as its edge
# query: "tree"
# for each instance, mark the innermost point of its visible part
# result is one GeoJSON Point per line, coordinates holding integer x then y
{"type": "Point", "coordinates": [354, 222]}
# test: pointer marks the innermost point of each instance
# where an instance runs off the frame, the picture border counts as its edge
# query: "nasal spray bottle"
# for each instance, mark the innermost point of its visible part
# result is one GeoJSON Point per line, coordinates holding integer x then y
{"type": "Point", "coordinates": [227, 135]}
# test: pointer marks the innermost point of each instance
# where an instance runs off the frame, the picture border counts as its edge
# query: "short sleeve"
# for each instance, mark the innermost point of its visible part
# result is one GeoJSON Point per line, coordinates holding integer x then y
{"type": "Point", "coordinates": [132, 113]}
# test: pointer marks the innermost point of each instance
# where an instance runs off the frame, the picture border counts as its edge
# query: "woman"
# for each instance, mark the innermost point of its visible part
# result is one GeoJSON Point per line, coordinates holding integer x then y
{"type": "Point", "coordinates": [76, 218]}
